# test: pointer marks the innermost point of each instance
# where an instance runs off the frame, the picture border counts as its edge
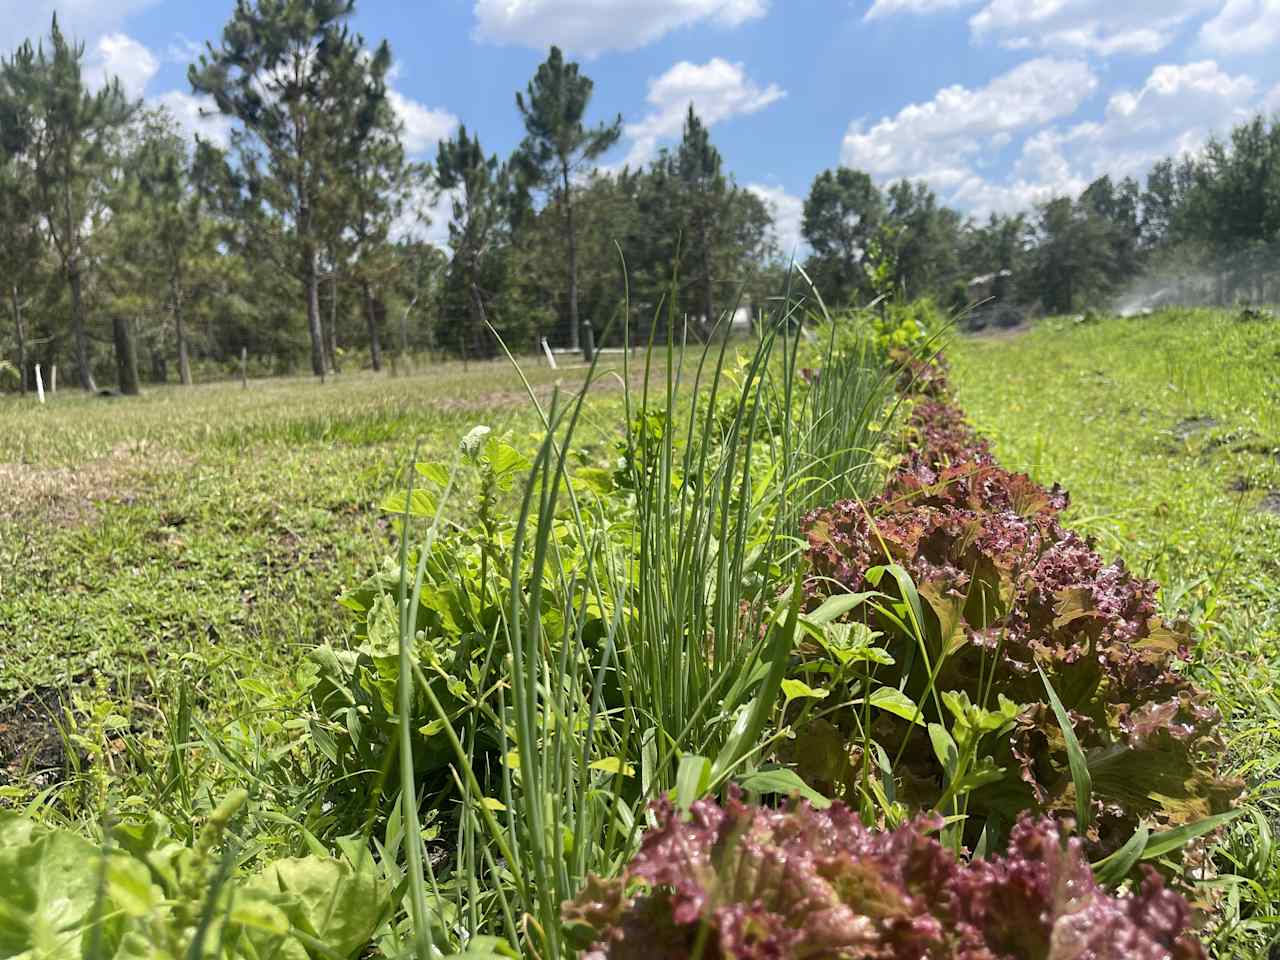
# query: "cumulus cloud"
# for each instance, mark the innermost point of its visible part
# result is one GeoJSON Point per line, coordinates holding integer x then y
{"type": "Point", "coordinates": [788, 213]}
{"type": "Point", "coordinates": [423, 126]}
{"type": "Point", "coordinates": [959, 122]}
{"type": "Point", "coordinates": [887, 8]}
{"type": "Point", "coordinates": [119, 55]}
{"type": "Point", "coordinates": [1243, 26]}
{"type": "Point", "coordinates": [717, 90]}
{"type": "Point", "coordinates": [590, 27]}
{"type": "Point", "coordinates": [1174, 111]}
{"type": "Point", "coordinates": [1100, 27]}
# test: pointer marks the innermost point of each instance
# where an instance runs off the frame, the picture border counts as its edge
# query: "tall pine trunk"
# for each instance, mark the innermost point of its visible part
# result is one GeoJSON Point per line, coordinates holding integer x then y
{"type": "Point", "coordinates": [126, 355]}
{"type": "Point", "coordinates": [179, 330]}
{"type": "Point", "coordinates": [704, 241]}
{"type": "Point", "coordinates": [311, 287]}
{"type": "Point", "coordinates": [331, 340]}
{"type": "Point", "coordinates": [21, 335]}
{"type": "Point", "coordinates": [371, 318]}
{"type": "Point", "coordinates": [83, 369]}
{"type": "Point", "coordinates": [573, 260]}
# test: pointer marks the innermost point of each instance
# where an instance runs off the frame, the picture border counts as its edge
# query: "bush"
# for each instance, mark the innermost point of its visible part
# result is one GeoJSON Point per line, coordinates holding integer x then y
{"type": "Point", "coordinates": [751, 882]}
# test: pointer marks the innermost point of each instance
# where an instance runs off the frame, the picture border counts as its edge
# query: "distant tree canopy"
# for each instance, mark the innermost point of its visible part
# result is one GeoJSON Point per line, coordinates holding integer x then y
{"type": "Point", "coordinates": [131, 251]}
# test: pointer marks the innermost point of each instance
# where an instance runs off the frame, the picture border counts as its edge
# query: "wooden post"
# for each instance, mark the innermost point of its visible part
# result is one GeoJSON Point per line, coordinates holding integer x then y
{"type": "Point", "coordinates": [244, 368]}
{"type": "Point", "coordinates": [39, 384]}
{"type": "Point", "coordinates": [53, 378]}
{"type": "Point", "coordinates": [588, 341]}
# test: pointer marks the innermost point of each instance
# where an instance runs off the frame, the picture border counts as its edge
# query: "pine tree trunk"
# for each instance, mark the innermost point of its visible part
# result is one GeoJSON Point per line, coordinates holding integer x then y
{"type": "Point", "coordinates": [573, 261]}
{"type": "Point", "coordinates": [83, 369]}
{"type": "Point", "coordinates": [22, 338]}
{"type": "Point", "coordinates": [331, 341]}
{"type": "Point", "coordinates": [311, 286]}
{"type": "Point", "coordinates": [708, 311]}
{"type": "Point", "coordinates": [371, 318]}
{"type": "Point", "coordinates": [184, 359]}
{"type": "Point", "coordinates": [126, 356]}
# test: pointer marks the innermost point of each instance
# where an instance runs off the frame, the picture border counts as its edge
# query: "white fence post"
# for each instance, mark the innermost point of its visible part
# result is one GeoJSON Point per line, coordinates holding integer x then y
{"type": "Point", "coordinates": [53, 378]}
{"type": "Point", "coordinates": [39, 384]}
{"type": "Point", "coordinates": [551, 357]}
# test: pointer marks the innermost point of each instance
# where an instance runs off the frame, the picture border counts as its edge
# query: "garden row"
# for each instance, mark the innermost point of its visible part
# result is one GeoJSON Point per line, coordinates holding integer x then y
{"type": "Point", "coordinates": [937, 723]}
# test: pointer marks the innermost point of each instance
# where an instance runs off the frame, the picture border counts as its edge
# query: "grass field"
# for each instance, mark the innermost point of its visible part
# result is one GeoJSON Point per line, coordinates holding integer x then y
{"type": "Point", "coordinates": [1166, 432]}
{"type": "Point", "coordinates": [205, 532]}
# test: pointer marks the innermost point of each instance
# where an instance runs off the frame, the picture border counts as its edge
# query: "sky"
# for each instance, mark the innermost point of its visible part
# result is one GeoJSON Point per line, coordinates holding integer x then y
{"type": "Point", "coordinates": [997, 104]}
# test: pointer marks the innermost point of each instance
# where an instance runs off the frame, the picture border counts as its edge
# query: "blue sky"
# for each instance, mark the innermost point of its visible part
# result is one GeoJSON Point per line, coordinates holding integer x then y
{"type": "Point", "coordinates": [997, 103]}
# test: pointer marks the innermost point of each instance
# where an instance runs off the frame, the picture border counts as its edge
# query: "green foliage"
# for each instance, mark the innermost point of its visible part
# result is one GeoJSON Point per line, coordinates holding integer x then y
{"type": "Point", "coordinates": [140, 894]}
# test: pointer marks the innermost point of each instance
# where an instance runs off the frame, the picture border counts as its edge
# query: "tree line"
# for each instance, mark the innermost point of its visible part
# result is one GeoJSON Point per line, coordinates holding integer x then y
{"type": "Point", "coordinates": [131, 251]}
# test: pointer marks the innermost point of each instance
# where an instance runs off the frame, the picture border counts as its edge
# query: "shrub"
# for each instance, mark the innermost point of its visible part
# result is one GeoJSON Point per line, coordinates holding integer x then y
{"type": "Point", "coordinates": [743, 881]}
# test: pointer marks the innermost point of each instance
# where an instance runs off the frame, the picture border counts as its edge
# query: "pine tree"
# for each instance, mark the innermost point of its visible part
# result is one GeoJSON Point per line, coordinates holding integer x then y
{"type": "Point", "coordinates": [557, 145]}
{"type": "Point", "coordinates": [307, 95]}
{"type": "Point", "coordinates": [64, 133]}
{"type": "Point", "coordinates": [478, 184]}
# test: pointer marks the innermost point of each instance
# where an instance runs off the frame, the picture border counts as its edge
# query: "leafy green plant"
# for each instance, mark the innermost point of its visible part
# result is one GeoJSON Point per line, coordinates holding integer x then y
{"type": "Point", "coordinates": [141, 894]}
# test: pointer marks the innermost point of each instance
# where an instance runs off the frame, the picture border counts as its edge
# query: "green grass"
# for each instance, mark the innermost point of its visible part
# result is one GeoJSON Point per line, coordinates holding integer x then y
{"type": "Point", "coordinates": [205, 533]}
{"type": "Point", "coordinates": [1166, 431]}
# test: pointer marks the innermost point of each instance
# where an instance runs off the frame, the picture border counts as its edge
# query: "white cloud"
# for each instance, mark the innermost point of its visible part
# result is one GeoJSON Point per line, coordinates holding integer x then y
{"type": "Point", "coordinates": [119, 55]}
{"type": "Point", "coordinates": [887, 8]}
{"type": "Point", "coordinates": [590, 27]}
{"type": "Point", "coordinates": [1104, 27]}
{"type": "Point", "coordinates": [197, 115]}
{"type": "Point", "coordinates": [84, 20]}
{"type": "Point", "coordinates": [184, 50]}
{"type": "Point", "coordinates": [1101, 27]}
{"type": "Point", "coordinates": [1243, 26]}
{"type": "Point", "coordinates": [958, 123]}
{"type": "Point", "coordinates": [1175, 110]}
{"type": "Point", "coordinates": [423, 126]}
{"type": "Point", "coordinates": [717, 90]}
{"type": "Point", "coordinates": [788, 212]}
{"type": "Point", "coordinates": [425, 217]}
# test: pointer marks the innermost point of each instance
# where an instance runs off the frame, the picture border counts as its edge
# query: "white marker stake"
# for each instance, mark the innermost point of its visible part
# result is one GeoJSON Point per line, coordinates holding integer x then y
{"type": "Point", "coordinates": [53, 378]}
{"type": "Point", "coordinates": [39, 384]}
{"type": "Point", "coordinates": [551, 357]}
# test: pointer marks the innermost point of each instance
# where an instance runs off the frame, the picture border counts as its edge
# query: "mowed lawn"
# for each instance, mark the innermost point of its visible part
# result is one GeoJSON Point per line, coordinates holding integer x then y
{"type": "Point", "coordinates": [1166, 431]}
{"type": "Point", "coordinates": [203, 535]}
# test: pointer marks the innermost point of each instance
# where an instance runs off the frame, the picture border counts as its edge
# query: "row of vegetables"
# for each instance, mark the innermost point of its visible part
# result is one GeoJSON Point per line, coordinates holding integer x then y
{"type": "Point", "coordinates": [1044, 720]}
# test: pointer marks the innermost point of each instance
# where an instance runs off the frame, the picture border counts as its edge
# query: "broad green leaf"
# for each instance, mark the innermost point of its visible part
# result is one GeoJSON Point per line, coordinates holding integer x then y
{"type": "Point", "coordinates": [892, 700]}
{"type": "Point", "coordinates": [944, 748]}
{"type": "Point", "coordinates": [613, 765]}
{"type": "Point", "coordinates": [798, 690]}
{"type": "Point", "coordinates": [783, 781]}
{"type": "Point", "coordinates": [833, 608]}
{"type": "Point", "coordinates": [48, 889]}
{"type": "Point", "coordinates": [129, 886]}
{"type": "Point", "coordinates": [421, 505]}
{"type": "Point", "coordinates": [326, 899]}
{"type": "Point", "coordinates": [436, 472]}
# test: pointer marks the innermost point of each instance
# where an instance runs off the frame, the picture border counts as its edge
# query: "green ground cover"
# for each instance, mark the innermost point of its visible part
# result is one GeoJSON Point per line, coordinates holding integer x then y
{"type": "Point", "coordinates": [207, 532]}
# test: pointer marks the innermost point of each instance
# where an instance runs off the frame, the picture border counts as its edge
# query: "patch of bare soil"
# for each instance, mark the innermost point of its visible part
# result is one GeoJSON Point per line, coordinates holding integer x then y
{"type": "Point", "coordinates": [31, 747]}
{"type": "Point", "coordinates": [1270, 503]}
{"type": "Point", "coordinates": [69, 496]}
